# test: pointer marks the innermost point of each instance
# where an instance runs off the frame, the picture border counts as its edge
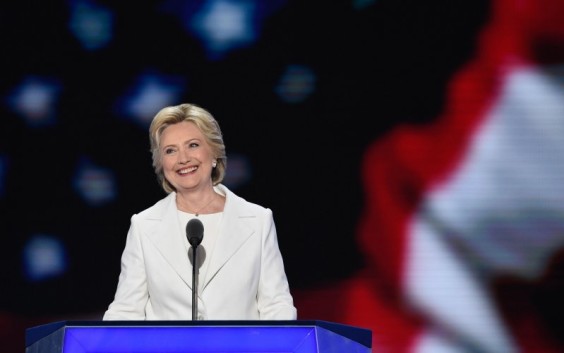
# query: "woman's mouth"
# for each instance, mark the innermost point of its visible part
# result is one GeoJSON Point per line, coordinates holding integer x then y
{"type": "Point", "coordinates": [185, 171]}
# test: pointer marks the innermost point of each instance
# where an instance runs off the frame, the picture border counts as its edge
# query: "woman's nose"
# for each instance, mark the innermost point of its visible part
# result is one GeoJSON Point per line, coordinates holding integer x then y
{"type": "Point", "coordinates": [183, 157]}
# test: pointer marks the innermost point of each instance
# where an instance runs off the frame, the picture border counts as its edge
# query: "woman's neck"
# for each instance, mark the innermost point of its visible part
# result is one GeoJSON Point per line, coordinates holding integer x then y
{"type": "Point", "coordinates": [197, 202]}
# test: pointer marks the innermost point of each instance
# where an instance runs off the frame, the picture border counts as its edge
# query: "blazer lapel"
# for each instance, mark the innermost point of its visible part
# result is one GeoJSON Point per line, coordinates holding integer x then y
{"type": "Point", "coordinates": [234, 232]}
{"type": "Point", "coordinates": [166, 236]}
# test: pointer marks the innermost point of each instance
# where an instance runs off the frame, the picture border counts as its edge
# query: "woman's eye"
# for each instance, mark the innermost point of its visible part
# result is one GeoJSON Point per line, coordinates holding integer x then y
{"type": "Point", "coordinates": [169, 151]}
{"type": "Point", "coordinates": [194, 144]}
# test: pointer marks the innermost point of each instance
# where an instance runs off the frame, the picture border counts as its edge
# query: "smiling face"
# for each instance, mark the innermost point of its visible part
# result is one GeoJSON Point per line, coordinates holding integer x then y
{"type": "Point", "coordinates": [186, 157]}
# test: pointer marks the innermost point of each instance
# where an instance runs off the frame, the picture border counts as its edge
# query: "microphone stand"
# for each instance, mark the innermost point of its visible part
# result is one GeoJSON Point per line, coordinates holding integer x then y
{"type": "Point", "coordinates": [195, 234]}
{"type": "Point", "coordinates": [194, 284]}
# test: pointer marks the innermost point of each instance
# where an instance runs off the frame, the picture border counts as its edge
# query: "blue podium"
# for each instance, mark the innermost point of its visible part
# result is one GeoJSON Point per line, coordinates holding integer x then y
{"type": "Point", "coordinates": [197, 337]}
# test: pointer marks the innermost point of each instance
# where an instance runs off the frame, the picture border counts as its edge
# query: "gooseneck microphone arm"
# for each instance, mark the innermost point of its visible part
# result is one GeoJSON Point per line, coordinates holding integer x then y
{"type": "Point", "coordinates": [195, 234]}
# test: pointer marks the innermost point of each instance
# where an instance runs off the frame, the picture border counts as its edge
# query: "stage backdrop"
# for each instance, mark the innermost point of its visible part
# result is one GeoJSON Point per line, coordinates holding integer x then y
{"type": "Point", "coordinates": [412, 153]}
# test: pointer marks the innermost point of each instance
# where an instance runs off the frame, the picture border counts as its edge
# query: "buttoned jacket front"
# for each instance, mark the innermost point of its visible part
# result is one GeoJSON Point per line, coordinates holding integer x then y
{"type": "Point", "coordinates": [245, 280]}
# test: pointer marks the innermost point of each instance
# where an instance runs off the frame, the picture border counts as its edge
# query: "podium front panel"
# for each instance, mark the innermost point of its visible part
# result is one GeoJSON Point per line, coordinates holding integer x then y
{"type": "Point", "coordinates": [193, 337]}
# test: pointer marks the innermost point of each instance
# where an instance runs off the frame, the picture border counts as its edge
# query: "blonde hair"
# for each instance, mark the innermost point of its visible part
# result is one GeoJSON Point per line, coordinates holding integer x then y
{"type": "Point", "coordinates": [204, 121]}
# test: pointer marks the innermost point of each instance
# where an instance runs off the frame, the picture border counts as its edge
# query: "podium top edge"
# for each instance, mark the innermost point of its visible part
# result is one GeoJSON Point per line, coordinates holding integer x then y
{"type": "Point", "coordinates": [361, 335]}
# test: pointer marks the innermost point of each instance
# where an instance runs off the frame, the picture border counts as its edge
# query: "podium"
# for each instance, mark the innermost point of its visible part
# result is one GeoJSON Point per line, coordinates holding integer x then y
{"type": "Point", "coordinates": [197, 337]}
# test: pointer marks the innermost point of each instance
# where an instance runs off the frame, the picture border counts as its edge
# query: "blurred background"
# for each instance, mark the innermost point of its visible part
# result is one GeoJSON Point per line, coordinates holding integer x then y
{"type": "Point", "coordinates": [412, 153]}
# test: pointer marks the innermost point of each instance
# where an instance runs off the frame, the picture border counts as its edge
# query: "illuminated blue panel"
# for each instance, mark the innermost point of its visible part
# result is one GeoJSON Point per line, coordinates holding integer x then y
{"type": "Point", "coordinates": [273, 336]}
{"type": "Point", "coordinates": [200, 339]}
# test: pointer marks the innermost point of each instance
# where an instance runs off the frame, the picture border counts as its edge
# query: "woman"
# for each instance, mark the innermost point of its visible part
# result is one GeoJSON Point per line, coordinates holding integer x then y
{"type": "Point", "coordinates": [242, 275]}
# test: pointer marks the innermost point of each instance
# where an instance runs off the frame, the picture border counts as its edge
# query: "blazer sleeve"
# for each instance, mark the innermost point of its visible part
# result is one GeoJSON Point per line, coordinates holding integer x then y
{"type": "Point", "coordinates": [274, 299]}
{"type": "Point", "coordinates": [131, 295]}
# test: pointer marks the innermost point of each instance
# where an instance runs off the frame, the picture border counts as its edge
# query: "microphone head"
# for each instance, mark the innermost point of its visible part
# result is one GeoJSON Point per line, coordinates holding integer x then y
{"type": "Point", "coordinates": [195, 232]}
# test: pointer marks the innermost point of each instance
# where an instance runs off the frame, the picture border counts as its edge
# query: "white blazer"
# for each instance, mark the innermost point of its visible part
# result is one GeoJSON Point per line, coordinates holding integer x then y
{"type": "Point", "coordinates": [245, 281]}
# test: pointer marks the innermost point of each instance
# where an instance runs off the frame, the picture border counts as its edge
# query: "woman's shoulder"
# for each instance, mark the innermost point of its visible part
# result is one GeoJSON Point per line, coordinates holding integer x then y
{"type": "Point", "coordinates": [236, 201]}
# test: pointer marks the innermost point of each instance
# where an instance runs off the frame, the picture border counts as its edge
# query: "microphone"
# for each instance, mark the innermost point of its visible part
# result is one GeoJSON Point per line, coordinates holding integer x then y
{"type": "Point", "coordinates": [195, 234]}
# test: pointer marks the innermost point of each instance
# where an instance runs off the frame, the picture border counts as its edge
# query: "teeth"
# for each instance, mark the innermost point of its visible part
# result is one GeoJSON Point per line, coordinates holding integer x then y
{"type": "Point", "coordinates": [187, 170]}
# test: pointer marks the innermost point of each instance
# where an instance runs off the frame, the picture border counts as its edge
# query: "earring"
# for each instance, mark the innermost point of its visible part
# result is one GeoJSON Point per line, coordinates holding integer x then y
{"type": "Point", "coordinates": [214, 164]}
